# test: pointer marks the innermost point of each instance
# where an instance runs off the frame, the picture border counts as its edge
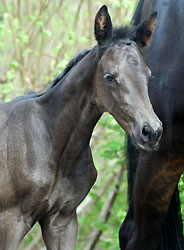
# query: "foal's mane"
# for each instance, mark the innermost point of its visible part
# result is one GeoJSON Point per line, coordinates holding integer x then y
{"type": "Point", "coordinates": [59, 79]}
{"type": "Point", "coordinates": [68, 68]}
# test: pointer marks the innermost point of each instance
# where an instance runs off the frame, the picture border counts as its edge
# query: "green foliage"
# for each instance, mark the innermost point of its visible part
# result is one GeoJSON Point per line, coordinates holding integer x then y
{"type": "Point", "coordinates": [112, 148]}
{"type": "Point", "coordinates": [181, 189]}
{"type": "Point", "coordinates": [32, 236]}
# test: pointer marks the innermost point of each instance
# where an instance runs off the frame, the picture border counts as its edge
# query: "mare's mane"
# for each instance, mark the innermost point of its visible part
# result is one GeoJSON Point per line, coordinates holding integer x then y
{"type": "Point", "coordinates": [138, 13]}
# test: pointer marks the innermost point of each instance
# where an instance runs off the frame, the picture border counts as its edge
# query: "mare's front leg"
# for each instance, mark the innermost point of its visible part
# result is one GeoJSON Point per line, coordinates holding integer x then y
{"type": "Point", "coordinates": [59, 231]}
{"type": "Point", "coordinates": [157, 176]}
{"type": "Point", "coordinates": [127, 230]}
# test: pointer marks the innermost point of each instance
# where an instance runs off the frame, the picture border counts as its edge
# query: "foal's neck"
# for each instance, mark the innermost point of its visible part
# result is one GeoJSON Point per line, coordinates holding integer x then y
{"type": "Point", "coordinates": [71, 108]}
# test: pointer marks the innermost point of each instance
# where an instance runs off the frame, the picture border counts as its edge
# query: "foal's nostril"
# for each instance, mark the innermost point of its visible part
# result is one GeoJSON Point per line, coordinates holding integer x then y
{"type": "Point", "coordinates": [147, 132]}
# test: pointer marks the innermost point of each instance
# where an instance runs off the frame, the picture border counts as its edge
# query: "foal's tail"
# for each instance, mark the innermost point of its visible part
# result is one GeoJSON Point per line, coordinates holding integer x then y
{"type": "Point", "coordinates": [172, 233]}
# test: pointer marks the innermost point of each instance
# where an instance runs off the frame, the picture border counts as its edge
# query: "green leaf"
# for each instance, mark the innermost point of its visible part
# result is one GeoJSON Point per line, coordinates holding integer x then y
{"type": "Point", "coordinates": [39, 23]}
{"type": "Point", "coordinates": [47, 33]}
{"type": "Point", "coordinates": [27, 51]}
{"type": "Point", "coordinates": [16, 23]}
{"type": "Point", "coordinates": [5, 16]}
{"type": "Point", "coordinates": [14, 65]}
{"type": "Point", "coordinates": [10, 75]}
{"type": "Point", "coordinates": [116, 5]}
{"type": "Point", "coordinates": [23, 37]}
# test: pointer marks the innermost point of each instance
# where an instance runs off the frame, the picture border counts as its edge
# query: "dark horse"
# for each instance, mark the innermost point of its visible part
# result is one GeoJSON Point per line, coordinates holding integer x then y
{"type": "Point", "coordinates": [46, 166]}
{"type": "Point", "coordinates": [159, 172]}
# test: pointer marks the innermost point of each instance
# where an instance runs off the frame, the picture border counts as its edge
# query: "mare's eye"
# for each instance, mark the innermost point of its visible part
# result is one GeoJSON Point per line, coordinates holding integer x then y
{"type": "Point", "coordinates": [109, 77]}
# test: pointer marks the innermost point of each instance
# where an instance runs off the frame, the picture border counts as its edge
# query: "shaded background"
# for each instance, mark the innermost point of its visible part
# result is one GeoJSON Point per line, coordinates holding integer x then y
{"type": "Point", "coordinates": [37, 40]}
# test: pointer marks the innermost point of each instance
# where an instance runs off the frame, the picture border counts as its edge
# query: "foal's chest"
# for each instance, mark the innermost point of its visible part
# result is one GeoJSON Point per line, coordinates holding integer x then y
{"type": "Point", "coordinates": [72, 182]}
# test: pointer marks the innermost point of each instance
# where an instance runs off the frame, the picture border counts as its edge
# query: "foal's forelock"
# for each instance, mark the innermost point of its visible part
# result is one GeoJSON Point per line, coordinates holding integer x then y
{"type": "Point", "coordinates": [121, 52]}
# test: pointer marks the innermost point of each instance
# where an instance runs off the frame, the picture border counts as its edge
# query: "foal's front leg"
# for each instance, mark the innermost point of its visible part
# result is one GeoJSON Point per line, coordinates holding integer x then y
{"type": "Point", "coordinates": [13, 228]}
{"type": "Point", "coordinates": [59, 231]}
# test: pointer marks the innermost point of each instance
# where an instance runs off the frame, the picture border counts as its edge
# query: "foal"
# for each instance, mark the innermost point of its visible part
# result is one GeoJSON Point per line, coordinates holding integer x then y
{"type": "Point", "coordinates": [46, 167]}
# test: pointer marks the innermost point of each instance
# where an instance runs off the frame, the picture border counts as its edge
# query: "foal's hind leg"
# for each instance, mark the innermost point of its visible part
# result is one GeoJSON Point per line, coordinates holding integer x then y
{"type": "Point", "coordinates": [59, 231]}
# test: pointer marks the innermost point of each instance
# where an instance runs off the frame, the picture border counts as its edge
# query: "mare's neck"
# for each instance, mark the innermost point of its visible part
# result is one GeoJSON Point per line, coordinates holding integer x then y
{"type": "Point", "coordinates": [71, 109]}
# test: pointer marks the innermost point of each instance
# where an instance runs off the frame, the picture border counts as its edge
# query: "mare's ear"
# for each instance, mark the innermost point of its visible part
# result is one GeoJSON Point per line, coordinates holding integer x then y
{"type": "Point", "coordinates": [103, 25]}
{"type": "Point", "coordinates": [145, 30]}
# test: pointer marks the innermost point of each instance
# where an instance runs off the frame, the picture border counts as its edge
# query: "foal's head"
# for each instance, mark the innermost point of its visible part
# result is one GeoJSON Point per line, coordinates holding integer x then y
{"type": "Point", "coordinates": [122, 79]}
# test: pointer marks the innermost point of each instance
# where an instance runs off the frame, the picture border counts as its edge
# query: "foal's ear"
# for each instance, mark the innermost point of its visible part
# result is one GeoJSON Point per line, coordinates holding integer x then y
{"type": "Point", "coordinates": [145, 30]}
{"type": "Point", "coordinates": [103, 25]}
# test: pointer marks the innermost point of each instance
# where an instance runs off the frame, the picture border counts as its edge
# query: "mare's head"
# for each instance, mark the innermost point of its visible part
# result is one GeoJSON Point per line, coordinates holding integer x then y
{"type": "Point", "coordinates": [122, 79]}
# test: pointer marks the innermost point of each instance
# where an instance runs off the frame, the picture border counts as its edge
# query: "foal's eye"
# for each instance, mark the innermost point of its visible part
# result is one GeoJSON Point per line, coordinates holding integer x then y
{"type": "Point", "coordinates": [109, 77]}
{"type": "Point", "coordinates": [128, 43]}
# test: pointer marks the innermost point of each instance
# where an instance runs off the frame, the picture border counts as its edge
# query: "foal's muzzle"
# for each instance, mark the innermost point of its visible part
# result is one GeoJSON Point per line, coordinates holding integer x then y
{"type": "Point", "coordinates": [149, 137]}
